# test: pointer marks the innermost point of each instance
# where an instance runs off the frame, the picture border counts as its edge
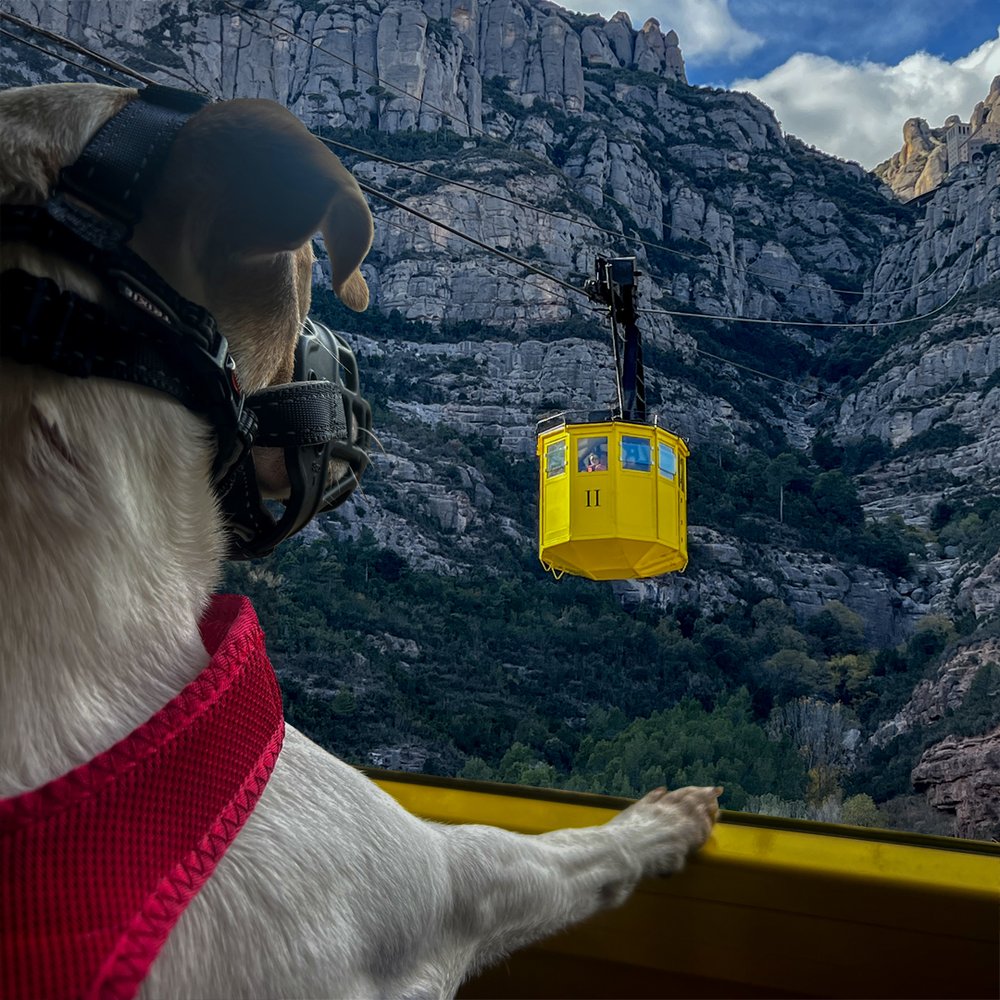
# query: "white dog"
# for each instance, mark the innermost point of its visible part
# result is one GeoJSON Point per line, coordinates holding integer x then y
{"type": "Point", "coordinates": [112, 543]}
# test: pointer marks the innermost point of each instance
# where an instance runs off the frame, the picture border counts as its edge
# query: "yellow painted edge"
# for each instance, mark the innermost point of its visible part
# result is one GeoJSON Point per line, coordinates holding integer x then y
{"type": "Point", "coordinates": [849, 857]}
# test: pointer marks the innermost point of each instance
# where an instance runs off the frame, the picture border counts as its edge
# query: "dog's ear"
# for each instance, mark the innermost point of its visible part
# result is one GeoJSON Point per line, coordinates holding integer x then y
{"type": "Point", "coordinates": [269, 185]}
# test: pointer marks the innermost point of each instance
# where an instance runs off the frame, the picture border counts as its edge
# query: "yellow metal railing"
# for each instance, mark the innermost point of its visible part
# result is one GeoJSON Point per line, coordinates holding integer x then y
{"type": "Point", "coordinates": [769, 907]}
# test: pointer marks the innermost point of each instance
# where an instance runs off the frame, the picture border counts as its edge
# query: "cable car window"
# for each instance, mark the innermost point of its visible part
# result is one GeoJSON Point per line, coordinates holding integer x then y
{"type": "Point", "coordinates": [555, 459]}
{"type": "Point", "coordinates": [668, 461]}
{"type": "Point", "coordinates": [636, 454]}
{"type": "Point", "coordinates": [592, 454]}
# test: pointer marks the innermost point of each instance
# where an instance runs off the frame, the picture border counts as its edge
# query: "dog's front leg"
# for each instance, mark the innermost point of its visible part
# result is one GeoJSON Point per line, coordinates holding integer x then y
{"type": "Point", "coordinates": [511, 889]}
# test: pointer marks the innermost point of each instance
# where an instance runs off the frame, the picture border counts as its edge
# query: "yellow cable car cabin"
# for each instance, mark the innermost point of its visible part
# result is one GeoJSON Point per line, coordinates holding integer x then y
{"type": "Point", "coordinates": [612, 492]}
{"type": "Point", "coordinates": [612, 499]}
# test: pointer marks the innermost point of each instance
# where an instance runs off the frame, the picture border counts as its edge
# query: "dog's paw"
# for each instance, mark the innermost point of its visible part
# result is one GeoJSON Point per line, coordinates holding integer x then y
{"type": "Point", "coordinates": [665, 827]}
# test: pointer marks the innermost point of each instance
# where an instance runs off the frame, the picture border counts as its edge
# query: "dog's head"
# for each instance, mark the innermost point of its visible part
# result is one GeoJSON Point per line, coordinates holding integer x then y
{"type": "Point", "coordinates": [228, 224]}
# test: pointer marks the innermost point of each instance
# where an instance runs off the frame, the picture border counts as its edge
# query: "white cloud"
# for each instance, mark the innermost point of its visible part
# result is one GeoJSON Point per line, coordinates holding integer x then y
{"type": "Point", "coordinates": [857, 111]}
{"type": "Point", "coordinates": [705, 27]}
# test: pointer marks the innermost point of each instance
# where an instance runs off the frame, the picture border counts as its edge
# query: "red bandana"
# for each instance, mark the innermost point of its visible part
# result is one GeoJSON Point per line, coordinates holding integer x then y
{"type": "Point", "coordinates": [97, 866]}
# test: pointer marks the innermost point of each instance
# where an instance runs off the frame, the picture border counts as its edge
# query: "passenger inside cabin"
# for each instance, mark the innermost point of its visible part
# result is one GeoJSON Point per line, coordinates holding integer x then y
{"type": "Point", "coordinates": [592, 454]}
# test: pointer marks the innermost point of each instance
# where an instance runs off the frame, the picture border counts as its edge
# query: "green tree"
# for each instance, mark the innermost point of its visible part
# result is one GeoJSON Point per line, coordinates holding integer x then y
{"type": "Point", "coordinates": [980, 712]}
{"type": "Point", "coordinates": [687, 745]}
{"type": "Point", "coordinates": [836, 498]}
{"type": "Point", "coordinates": [826, 453]}
{"type": "Point", "coordinates": [839, 629]}
{"type": "Point", "coordinates": [824, 784]}
{"type": "Point", "coordinates": [520, 766]}
{"type": "Point", "coordinates": [344, 702]}
{"type": "Point", "coordinates": [860, 810]}
{"type": "Point", "coordinates": [771, 612]}
{"type": "Point", "coordinates": [932, 634]}
{"type": "Point", "coordinates": [476, 769]}
{"type": "Point", "coordinates": [851, 675]}
{"type": "Point", "coordinates": [791, 673]}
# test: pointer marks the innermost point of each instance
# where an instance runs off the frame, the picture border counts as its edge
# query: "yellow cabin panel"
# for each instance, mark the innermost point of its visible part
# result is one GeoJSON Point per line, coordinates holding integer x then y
{"type": "Point", "coordinates": [592, 505]}
{"type": "Point", "coordinates": [637, 506]}
{"type": "Point", "coordinates": [554, 519]}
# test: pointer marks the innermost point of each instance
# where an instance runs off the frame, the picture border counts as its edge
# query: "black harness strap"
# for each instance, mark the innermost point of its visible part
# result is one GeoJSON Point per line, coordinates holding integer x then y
{"type": "Point", "coordinates": [156, 338]}
{"type": "Point", "coordinates": [298, 413]}
{"type": "Point", "coordinates": [61, 331]}
{"type": "Point", "coordinates": [121, 163]}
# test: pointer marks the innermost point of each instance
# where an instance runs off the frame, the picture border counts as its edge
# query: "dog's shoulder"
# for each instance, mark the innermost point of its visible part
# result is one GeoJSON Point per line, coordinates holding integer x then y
{"type": "Point", "coordinates": [44, 128]}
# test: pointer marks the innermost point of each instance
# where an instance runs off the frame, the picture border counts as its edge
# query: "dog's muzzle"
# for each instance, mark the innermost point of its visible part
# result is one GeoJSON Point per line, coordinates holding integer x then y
{"type": "Point", "coordinates": [322, 424]}
{"type": "Point", "coordinates": [158, 339]}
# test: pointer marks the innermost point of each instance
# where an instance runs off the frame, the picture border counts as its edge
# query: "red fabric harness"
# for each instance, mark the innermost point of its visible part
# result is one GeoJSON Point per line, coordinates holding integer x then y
{"type": "Point", "coordinates": [97, 866]}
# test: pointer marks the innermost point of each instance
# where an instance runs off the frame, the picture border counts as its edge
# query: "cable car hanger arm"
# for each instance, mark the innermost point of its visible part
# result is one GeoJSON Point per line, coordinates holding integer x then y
{"type": "Point", "coordinates": [615, 287]}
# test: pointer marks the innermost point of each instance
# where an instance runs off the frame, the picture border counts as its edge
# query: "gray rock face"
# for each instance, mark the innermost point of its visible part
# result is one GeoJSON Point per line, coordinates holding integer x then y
{"type": "Point", "coordinates": [979, 592]}
{"type": "Point", "coordinates": [722, 568]}
{"type": "Point", "coordinates": [920, 165]}
{"type": "Point", "coordinates": [636, 146]}
{"type": "Point", "coordinates": [929, 382]}
{"type": "Point", "coordinates": [955, 249]}
{"type": "Point", "coordinates": [324, 61]}
{"type": "Point", "coordinates": [932, 699]}
{"type": "Point", "coordinates": [934, 395]}
{"type": "Point", "coordinates": [658, 53]}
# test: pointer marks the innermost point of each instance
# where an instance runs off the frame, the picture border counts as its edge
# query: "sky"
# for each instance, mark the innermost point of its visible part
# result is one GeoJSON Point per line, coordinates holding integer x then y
{"type": "Point", "coordinates": [843, 75]}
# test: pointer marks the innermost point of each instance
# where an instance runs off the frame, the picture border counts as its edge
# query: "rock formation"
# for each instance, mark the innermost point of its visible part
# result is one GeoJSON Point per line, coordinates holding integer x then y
{"type": "Point", "coordinates": [933, 699]}
{"type": "Point", "coordinates": [922, 164]}
{"type": "Point", "coordinates": [962, 776]}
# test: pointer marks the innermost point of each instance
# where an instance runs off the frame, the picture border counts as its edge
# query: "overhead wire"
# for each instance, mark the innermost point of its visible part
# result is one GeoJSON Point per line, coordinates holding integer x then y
{"type": "Point", "coordinates": [166, 71]}
{"type": "Point", "coordinates": [717, 259]}
{"type": "Point", "coordinates": [105, 61]}
{"type": "Point", "coordinates": [718, 357]}
{"type": "Point", "coordinates": [369, 189]}
{"type": "Point", "coordinates": [59, 58]}
{"type": "Point", "coordinates": [413, 232]}
{"type": "Point", "coordinates": [807, 323]}
{"type": "Point", "coordinates": [510, 258]}
{"type": "Point", "coordinates": [313, 44]}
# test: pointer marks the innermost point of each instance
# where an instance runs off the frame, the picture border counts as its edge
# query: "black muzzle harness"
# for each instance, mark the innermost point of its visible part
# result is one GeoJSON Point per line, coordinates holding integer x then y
{"type": "Point", "coordinates": [153, 337]}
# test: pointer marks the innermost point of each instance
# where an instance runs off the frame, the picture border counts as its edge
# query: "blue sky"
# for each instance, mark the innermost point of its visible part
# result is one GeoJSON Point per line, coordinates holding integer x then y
{"type": "Point", "coordinates": [843, 76]}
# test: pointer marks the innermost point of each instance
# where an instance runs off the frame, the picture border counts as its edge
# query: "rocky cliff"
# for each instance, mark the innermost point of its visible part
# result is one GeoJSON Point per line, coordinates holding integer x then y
{"type": "Point", "coordinates": [962, 777]}
{"type": "Point", "coordinates": [934, 698]}
{"type": "Point", "coordinates": [921, 164]}
{"type": "Point", "coordinates": [555, 137]}
{"type": "Point", "coordinates": [932, 395]}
